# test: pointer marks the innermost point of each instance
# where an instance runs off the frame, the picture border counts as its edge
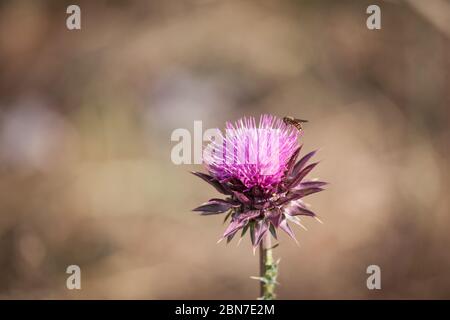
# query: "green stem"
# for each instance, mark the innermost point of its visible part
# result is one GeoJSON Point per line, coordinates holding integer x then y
{"type": "Point", "coordinates": [268, 269]}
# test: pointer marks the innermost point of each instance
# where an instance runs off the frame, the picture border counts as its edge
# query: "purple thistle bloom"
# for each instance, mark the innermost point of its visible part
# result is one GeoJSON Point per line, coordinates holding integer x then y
{"type": "Point", "coordinates": [256, 168]}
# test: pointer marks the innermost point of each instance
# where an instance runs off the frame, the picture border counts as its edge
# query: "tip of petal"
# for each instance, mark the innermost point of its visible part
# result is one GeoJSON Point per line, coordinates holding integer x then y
{"type": "Point", "coordinates": [302, 226]}
{"type": "Point", "coordinates": [318, 219]}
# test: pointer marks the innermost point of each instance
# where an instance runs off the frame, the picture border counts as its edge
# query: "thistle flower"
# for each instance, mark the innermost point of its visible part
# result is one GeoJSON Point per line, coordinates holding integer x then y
{"type": "Point", "coordinates": [256, 168]}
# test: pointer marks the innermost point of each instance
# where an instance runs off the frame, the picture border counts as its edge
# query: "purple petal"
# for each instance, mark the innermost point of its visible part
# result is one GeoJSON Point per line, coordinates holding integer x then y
{"type": "Point", "coordinates": [311, 184]}
{"type": "Point", "coordinates": [302, 174]}
{"type": "Point", "coordinates": [231, 236]}
{"type": "Point", "coordinates": [212, 181]}
{"type": "Point", "coordinates": [297, 210]}
{"type": "Point", "coordinates": [297, 194]}
{"type": "Point", "coordinates": [260, 231]}
{"type": "Point", "coordinates": [288, 198]}
{"type": "Point", "coordinates": [240, 221]}
{"type": "Point", "coordinates": [285, 227]}
{"type": "Point", "coordinates": [291, 163]}
{"type": "Point", "coordinates": [233, 203]}
{"type": "Point", "coordinates": [304, 192]}
{"type": "Point", "coordinates": [233, 227]}
{"type": "Point", "coordinates": [214, 206]}
{"type": "Point", "coordinates": [232, 184]}
{"type": "Point", "coordinates": [248, 215]}
{"type": "Point", "coordinates": [299, 165]}
{"type": "Point", "coordinates": [241, 197]}
{"type": "Point", "coordinates": [275, 216]}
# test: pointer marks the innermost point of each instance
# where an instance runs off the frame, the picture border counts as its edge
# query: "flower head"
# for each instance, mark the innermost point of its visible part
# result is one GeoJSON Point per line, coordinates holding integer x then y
{"type": "Point", "coordinates": [256, 168]}
{"type": "Point", "coordinates": [255, 155]}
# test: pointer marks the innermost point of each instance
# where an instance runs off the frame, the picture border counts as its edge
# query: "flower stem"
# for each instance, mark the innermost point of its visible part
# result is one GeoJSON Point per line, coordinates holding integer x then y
{"type": "Point", "coordinates": [268, 269]}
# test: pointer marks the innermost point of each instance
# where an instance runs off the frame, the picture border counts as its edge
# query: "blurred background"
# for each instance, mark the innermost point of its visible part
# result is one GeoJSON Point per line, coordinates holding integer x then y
{"type": "Point", "coordinates": [85, 124]}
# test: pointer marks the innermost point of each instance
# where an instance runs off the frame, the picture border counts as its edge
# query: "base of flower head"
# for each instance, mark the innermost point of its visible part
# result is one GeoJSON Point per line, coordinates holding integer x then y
{"type": "Point", "coordinates": [258, 223]}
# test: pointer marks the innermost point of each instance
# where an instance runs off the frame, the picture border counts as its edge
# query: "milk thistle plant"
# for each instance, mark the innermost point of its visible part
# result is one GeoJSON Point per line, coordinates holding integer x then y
{"type": "Point", "coordinates": [255, 167]}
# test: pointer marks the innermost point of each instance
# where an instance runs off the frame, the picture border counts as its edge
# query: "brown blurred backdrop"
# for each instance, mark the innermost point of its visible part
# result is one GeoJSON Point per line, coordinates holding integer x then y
{"type": "Point", "coordinates": [85, 124]}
